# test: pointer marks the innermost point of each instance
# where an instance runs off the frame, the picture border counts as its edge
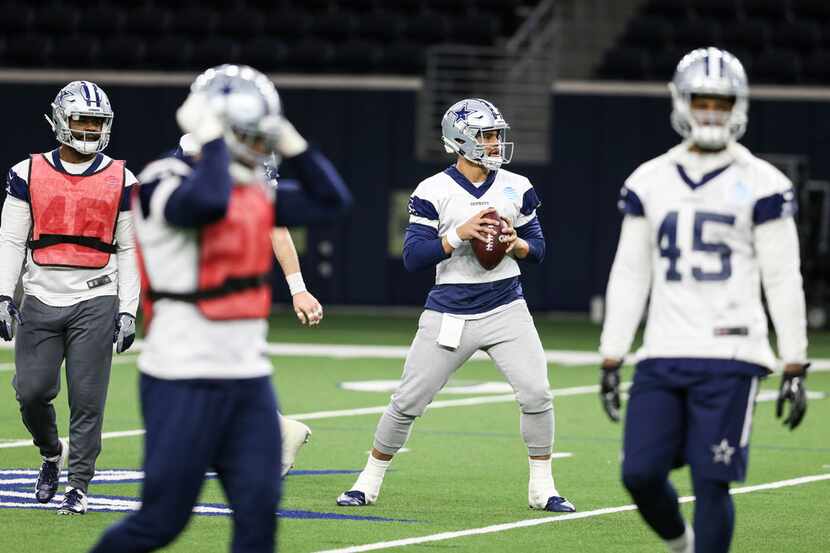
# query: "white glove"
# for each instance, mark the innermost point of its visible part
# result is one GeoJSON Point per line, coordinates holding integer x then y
{"type": "Point", "coordinates": [188, 145]}
{"type": "Point", "coordinates": [197, 117]}
{"type": "Point", "coordinates": [290, 143]}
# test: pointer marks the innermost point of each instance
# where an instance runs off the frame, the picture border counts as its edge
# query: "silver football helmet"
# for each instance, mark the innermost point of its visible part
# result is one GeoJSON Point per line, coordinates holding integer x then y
{"type": "Point", "coordinates": [462, 127]}
{"type": "Point", "coordinates": [249, 105]}
{"type": "Point", "coordinates": [81, 99]}
{"type": "Point", "coordinates": [714, 72]}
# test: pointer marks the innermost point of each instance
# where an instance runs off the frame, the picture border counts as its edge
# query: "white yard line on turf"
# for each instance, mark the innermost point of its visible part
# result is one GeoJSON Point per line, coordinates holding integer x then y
{"type": "Point", "coordinates": [105, 435]}
{"type": "Point", "coordinates": [280, 349]}
{"type": "Point", "coordinates": [442, 404]}
{"type": "Point", "coordinates": [557, 518]}
{"type": "Point", "coordinates": [125, 360]}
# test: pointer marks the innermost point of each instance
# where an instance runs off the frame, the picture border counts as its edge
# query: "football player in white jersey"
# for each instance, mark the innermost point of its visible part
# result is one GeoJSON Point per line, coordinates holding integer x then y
{"type": "Point", "coordinates": [471, 308]}
{"type": "Point", "coordinates": [706, 226]}
{"type": "Point", "coordinates": [203, 232]}
{"type": "Point", "coordinates": [66, 221]}
{"type": "Point", "coordinates": [308, 309]}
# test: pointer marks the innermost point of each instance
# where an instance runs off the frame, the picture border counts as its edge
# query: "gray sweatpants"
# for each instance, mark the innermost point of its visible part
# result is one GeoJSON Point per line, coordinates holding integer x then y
{"type": "Point", "coordinates": [81, 334]}
{"type": "Point", "coordinates": [512, 342]}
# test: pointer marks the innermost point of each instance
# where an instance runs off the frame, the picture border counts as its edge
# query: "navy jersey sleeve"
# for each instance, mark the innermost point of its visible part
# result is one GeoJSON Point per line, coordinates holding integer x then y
{"type": "Point", "coordinates": [422, 247]}
{"type": "Point", "coordinates": [531, 233]}
{"type": "Point", "coordinates": [319, 195]}
{"type": "Point", "coordinates": [203, 196]}
{"type": "Point", "coordinates": [16, 186]}
{"type": "Point", "coordinates": [774, 206]}
{"type": "Point", "coordinates": [629, 203]}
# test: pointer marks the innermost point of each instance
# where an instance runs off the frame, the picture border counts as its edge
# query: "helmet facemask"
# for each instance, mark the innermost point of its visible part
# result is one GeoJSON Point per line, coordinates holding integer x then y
{"type": "Point", "coordinates": [504, 149]}
{"type": "Point", "coordinates": [709, 129]}
{"type": "Point", "coordinates": [254, 145]}
{"type": "Point", "coordinates": [83, 142]}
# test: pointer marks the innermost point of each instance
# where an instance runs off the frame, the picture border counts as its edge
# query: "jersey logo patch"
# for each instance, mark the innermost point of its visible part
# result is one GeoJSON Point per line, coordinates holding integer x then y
{"type": "Point", "coordinates": [741, 194]}
{"type": "Point", "coordinates": [722, 452]}
{"type": "Point", "coordinates": [510, 193]}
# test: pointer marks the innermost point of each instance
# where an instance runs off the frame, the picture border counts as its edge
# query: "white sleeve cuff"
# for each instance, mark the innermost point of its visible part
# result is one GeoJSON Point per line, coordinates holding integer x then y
{"type": "Point", "coordinates": [453, 239]}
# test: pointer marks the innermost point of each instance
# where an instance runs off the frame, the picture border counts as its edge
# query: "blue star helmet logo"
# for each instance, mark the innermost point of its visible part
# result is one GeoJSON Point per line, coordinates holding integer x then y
{"type": "Point", "coordinates": [461, 114]}
{"type": "Point", "coordinates": [227, 88]}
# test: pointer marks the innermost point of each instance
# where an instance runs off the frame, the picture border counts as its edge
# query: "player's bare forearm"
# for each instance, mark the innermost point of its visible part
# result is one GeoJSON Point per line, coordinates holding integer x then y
{"type": "Point", "coordinates": [285, 251]}
{"type": "Point", "coordinates": [521, 249]}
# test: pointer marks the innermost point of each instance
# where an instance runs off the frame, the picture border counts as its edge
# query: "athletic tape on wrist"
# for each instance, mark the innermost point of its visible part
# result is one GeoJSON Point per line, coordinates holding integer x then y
{"type": "Point", "coordinates": [453, 239]}
{"type": "Point", "coordinates": [295, 283]}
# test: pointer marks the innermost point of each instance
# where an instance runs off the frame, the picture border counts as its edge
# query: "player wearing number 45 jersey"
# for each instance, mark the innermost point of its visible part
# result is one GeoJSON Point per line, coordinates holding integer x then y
{"type": "Point", "coordinates": [706, 226]}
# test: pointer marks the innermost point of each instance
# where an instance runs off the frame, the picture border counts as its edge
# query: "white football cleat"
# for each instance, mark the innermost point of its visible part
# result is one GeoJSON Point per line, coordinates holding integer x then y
{"type": "Point", "coordinates": [294, 435]}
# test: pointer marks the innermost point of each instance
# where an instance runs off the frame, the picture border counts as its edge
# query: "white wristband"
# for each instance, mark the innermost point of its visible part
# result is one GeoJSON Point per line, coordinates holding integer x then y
{"type": "Point", "coordinates": [453, 239]}
{"type": "Point", "coordinates": [295, 283]}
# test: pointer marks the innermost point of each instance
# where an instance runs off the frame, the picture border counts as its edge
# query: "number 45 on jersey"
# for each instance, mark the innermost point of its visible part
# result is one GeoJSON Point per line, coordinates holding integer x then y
{"type": "Point", "coordinates": [667, 243]}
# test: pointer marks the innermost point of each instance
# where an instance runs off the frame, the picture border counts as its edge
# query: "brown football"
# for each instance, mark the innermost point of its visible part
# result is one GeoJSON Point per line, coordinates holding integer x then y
{"type": "Point", "coordinates": [490, 253]}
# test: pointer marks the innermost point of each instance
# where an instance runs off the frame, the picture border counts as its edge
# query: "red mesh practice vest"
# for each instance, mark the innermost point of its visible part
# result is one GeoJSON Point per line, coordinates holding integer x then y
{"type": "Point", "coordinates": [74, 216]}
{"type": "Point", "coordinates": [235, 258]}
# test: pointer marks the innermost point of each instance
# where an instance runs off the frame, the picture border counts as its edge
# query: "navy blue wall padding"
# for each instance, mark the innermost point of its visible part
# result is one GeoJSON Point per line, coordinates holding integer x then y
{"type": "Point", "coordinates": [369, 136]}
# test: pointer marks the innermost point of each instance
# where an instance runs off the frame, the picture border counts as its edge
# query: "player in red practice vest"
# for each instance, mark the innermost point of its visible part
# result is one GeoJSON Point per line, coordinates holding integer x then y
{"type": "Point", "coordinates": [66, 223]}
{"type": "Point", "coordinates": [291, 146]}
{"type": "Point", "coordinates": [203, 228]}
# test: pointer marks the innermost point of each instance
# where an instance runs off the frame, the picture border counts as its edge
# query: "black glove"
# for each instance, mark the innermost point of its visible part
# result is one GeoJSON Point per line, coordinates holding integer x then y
{"type": "Point", "coordinates": [792, 390]}
{"type": "Point", "coordinates": [8, 313]}
{"type": "Point", "coordinates": [124, 332]}
{"type": "Point", "coordinates": [609, 391]}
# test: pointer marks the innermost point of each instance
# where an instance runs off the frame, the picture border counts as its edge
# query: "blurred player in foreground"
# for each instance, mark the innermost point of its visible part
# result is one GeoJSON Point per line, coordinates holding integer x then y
{"type": "Point", "coordinates": [203, 230]}
{"type": "Point", "coordinates": [471, 308]}
{"type": "Point", "coordinates": [67, 217]}
{"type": "Point", "coordinates": [706, 225]}
{"type": "Point", "coordinates": [312, 164]}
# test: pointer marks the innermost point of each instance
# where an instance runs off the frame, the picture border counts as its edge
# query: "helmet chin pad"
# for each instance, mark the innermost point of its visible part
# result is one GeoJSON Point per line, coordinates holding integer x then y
{"type": "Point", "coordinates": [710, 137]}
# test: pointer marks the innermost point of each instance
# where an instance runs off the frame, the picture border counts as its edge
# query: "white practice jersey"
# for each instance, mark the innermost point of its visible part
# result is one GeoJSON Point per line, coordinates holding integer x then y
{"type": "Point", "coordinates": [702, 233]}
{"type": "Point", "coordinates": [64, 286]}
{"type": "Point", "coordinates": [451, 201]}
{"type": "Point", "coordinates": [181, 342]}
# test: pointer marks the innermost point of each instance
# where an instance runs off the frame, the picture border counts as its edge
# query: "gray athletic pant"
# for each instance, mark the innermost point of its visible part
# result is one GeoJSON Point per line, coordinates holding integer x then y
{"type": "Point", "coordinates": [81, 334]}
{"type": "Point", "coordinates": [512, 342]}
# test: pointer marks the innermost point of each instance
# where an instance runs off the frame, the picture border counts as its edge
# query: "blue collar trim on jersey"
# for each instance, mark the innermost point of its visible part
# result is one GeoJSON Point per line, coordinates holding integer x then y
{"type": "Point", "coordinates": [56, 161]}
{"type": "Point", "coordinates": [704, 179]}
{"type": "Point", "coordinates": [464, 182]}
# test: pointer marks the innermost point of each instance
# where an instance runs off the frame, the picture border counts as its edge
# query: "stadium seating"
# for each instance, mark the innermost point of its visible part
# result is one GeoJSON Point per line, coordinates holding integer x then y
{"type": "Point", "coordinates": [778, 41]}
{"type": "Point", "coordinates": [342, 36]}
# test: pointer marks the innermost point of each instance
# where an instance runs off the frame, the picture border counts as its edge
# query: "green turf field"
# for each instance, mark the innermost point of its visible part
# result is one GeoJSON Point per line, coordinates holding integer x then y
{"type": "Point", "coordinates": [465, 469]}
